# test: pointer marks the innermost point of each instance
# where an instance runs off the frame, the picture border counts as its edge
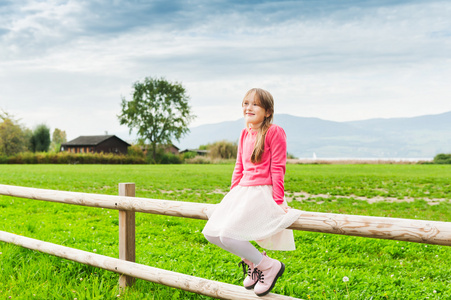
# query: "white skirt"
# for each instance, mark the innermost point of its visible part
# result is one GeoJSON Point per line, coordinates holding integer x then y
{"type": "Point", "coordinates": [249, 213]}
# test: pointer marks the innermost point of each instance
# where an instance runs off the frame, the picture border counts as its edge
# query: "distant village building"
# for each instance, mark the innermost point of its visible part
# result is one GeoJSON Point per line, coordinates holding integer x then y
{"type": "Point", "coordinates": [171, 148]}
{"type": "Point", "coordinates": [96, 144]}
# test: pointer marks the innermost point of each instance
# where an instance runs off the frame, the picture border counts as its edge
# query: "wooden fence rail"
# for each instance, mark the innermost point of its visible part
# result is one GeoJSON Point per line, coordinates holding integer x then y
{"type": "Point", "coordinates": [193, 284]}
{"type": "Point", "coordinates": [430, 232]}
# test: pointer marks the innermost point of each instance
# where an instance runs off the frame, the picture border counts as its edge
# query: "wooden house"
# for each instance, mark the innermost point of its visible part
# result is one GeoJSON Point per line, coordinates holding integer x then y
{"type": "Point", "coordinates": [96, 144]}
{"type": "Point", "coordinates": [169, 148]}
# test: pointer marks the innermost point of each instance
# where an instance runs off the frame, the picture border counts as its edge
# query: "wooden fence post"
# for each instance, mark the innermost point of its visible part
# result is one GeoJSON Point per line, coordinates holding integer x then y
{"type": "Point", "coordinates": [126, 233]}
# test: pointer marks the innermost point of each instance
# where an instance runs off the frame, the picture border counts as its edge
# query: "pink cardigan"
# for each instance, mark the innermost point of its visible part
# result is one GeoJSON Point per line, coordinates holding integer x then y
{"type": "Point", "coordinates": [270, 170]}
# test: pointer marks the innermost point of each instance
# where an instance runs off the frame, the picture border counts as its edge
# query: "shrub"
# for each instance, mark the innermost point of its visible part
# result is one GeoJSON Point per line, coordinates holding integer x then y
{"type": "Point", "coordinates": [222, 149]}
{"type": "Point", "coordinates": [63, 158]}
{"type": "Point", "coordinates": [442, 159]}
{"type": "Point", "coordinates": [43, 158]}
{"type": "Point", "coordinates": [198, 160]}
{"type": "Point", "coordinates": [169, 158]}
{"type": "Point", "coordinates": [290, 156]}
{"type": "Point", "coordinates": [26, 158]}
{"type": "Point", "coordinates": [189, 155]}
{"type": "Point", "coordinates": [135, 151]}
{"type": "Point", "coordinates": [163, 156]}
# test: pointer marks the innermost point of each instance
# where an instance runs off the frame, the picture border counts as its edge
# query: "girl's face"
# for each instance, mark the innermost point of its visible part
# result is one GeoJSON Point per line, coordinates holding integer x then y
{"type": "Point", "coordinates": [254, 114]}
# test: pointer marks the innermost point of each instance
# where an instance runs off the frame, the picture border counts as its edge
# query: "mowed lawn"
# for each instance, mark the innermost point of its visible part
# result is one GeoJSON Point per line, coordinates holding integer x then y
{"type": "Point", "coordinates": [377, 269]}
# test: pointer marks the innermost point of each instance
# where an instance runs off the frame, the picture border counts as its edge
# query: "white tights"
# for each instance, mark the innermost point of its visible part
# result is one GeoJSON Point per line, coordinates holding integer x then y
{"type": "Point", "coordinates": [243, 249]}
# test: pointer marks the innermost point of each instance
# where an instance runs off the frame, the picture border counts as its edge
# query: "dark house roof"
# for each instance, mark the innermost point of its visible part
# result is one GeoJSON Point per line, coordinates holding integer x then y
{"type": "Point", "coordinates": [91, 140]}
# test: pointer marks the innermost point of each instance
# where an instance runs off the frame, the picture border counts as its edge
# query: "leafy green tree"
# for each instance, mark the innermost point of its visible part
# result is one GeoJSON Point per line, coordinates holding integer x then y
{"type": "Point", "coordinates": [442, 158]}
{"type": "Point", "coordinates": [159, 111]}
{"type": "Point", "coordinates": [58, 137]}
{"type": "Point", "coordinates": [13, 136]}
{"type": "Point", "coordinates": [40, 139]}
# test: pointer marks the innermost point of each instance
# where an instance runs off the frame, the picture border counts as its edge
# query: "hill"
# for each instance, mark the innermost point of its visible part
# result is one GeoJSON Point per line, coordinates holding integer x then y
{"type": "Point", "coordinates": [416, 137]}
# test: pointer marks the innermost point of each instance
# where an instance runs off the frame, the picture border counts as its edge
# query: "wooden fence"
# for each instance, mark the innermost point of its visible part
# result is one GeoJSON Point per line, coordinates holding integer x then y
{"type": "Point", "coordinates": [429, 232]}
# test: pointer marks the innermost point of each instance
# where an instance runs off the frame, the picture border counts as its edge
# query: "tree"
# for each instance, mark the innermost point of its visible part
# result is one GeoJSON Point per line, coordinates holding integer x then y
{"type": "Point", "coordinates": [13, 137]}
{"type": "Point", "coordinates": [40, 139]}
{"type": "Point", "coordinates": [159, 111]}
{"type": "Point", "coordinates": [442, 158]}
{"type": "Point", "coordinates": [58, 137]}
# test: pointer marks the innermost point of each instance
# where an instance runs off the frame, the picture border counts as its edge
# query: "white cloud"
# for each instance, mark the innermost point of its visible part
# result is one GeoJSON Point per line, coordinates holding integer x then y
{"type": "Point", "coordinates": [68, 63]}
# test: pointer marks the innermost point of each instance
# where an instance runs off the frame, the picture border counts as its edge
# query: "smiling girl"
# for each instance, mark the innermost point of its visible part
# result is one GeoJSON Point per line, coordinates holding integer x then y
{"type": "Point", "coordinates": [255, 208]}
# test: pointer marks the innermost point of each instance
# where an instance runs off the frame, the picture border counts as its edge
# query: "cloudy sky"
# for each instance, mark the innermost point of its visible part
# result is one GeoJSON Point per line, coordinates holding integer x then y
{"type": "Point", "coordinates": [68, 63]}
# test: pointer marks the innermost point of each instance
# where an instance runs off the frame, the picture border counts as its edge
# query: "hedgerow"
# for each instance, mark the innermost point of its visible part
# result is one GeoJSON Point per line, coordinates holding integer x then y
{"type": "Point", "coordinates": [71, 158]}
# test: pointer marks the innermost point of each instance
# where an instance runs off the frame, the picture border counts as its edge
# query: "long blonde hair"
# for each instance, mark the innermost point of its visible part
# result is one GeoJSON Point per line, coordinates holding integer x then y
{"type": "Point", "coordinates": [266, 101]}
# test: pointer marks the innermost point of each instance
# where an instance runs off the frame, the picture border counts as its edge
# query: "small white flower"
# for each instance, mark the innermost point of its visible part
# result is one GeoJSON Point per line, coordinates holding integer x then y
{"type": "Point", "coordinates": [95, 250]}
{"type": "Point", "coordinates": [392, 275]}
{"type": "Point", "coordinates": [345, 279]}
{"type": "Point", "coordinates": [435, 256]}
{"type": "Point", "coordinates": [81, 279]}
{"type": "Point", "coordinates": [434, 291]}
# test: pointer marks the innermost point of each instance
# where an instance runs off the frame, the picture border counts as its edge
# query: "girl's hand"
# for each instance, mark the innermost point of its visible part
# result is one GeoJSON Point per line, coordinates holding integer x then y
{"type": "Point", "coordinates": [284, 207]}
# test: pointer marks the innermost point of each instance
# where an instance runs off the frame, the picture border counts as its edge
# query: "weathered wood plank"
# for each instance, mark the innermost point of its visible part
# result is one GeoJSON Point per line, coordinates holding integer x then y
{"type": "Point", "coordinates": [189, 283]}
{"type": "Point", "coordinates": [126, 233]}
{"type": "Point", "coordinates": [153, 206]}
{"type": "Point", "coordinates": [419, 231]}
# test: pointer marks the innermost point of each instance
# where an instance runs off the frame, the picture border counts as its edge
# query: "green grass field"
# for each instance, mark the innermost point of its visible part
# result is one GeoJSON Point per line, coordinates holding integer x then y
{"type": "Point", "coordinates": [377, 269]}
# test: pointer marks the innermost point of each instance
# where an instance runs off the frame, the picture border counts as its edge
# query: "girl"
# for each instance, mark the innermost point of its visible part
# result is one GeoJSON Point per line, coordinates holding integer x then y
{"type": "Point", "coordinates": [255, 209]}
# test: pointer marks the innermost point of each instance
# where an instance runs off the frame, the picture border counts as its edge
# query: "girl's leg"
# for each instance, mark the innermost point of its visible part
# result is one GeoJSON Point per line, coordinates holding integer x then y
{"type": "Point", "coordinates": [246, 251]}
{"type": "Point", "coordinates": [243, 249]}
{"type": "Point", "coordinates": [217, 241]}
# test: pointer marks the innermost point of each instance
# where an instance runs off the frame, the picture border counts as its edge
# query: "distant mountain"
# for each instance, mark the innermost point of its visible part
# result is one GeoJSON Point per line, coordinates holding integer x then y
{"type": "Point", "coordinates": [428, 122]}
{"type": "Point", "coordinates": [416, 137]}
